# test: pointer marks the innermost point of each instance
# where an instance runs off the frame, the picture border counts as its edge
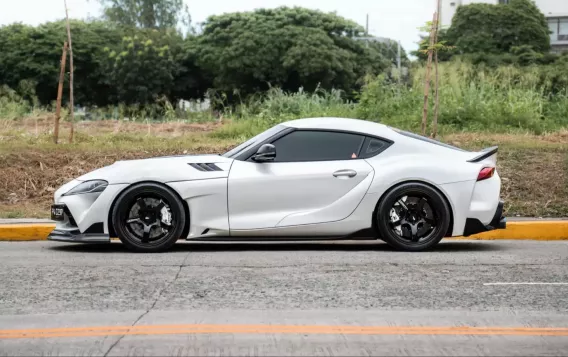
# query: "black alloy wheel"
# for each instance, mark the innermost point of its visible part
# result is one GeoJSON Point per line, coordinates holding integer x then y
{"type": "Point", "coordinates": [413, 217]}
{"type": "Point", "coordinates": [148, 218]}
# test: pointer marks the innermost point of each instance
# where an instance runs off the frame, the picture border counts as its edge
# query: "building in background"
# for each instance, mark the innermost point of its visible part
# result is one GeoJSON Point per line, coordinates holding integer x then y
{"type": "Point", "coordinates": [556, 12]}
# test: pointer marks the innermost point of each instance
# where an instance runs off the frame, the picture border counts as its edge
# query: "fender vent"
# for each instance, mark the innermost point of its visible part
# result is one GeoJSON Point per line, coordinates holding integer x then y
{"type": "Point", "coordinates": [206, 167]}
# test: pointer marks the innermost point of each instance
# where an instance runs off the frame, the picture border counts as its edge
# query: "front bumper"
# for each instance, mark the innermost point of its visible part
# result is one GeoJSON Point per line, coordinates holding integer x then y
{"type": "Point", "coordinates": [474, 225]}
{"type": "Point", "coordinates": [75, 236]}
{"type": "Point", "coordinates": [66, 230]}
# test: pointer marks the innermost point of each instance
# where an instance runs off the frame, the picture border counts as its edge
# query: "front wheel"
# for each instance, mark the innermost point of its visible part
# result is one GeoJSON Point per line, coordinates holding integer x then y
{"type": "Point", "coordinates": [412, 217]}
{"type": "Point", "coordinates": [148, 218]}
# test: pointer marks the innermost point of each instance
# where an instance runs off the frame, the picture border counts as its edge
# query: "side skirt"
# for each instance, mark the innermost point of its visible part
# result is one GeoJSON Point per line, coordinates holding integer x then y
{"type": "Point", "coordinates": [365, 234]}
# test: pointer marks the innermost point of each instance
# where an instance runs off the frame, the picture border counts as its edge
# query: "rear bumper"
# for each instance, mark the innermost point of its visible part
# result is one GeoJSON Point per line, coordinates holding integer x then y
{"type": "Point", "coordinates": [474, 225]}
{"type": "Point", "coordinates": [76, 236]}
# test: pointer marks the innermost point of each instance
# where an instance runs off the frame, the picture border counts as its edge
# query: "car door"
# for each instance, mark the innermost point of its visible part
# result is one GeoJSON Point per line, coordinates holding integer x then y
{"type": "Point", "coordinates": [316, 177]}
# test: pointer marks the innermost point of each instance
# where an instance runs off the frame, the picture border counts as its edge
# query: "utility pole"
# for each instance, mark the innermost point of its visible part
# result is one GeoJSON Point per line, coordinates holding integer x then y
{"type": "Point", "coordinates": [367, 32]}
{"type": "Point", "coordinates": [71, 104]}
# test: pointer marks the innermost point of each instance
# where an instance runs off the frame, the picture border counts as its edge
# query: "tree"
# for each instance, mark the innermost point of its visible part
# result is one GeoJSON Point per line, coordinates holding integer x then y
{"type": "Point", "coordinates": [389, 50]}
{"type": "Point", "coordinates": [17, 62]}
{"type": "Point", "coordinates": [34, 53]}
{"type": "Point", "coordinates": [494, 29]}
{"type": "Point", "coordinates": [190, 81]}
{"type": "Point", "coordinates": [285, 47]}
{"type": "Point", "coordinates": [142, 70]}
{"type": "Point", "coordinates": [150, 14]}
{"type": "Point", "coordinates": [444, 54]}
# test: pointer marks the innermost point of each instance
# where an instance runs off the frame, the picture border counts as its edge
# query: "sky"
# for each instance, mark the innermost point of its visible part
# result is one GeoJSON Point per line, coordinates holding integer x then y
{"type": "Point", "coordinates": [396, 19]}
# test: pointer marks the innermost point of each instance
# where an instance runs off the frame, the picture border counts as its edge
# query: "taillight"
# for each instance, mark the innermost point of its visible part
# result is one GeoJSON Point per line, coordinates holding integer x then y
{"type": "Point", "coordinates": [485, 173]}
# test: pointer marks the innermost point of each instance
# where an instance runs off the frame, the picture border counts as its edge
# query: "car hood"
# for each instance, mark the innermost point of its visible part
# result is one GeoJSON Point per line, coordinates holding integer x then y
{"type": "Point", "coordinates": [163, 169]}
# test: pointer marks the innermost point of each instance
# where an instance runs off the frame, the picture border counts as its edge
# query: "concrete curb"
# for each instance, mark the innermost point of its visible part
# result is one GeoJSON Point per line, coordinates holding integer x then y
{"type": "Point", "coordinates": [516, 230]}
{"type": "Point", "coordinates": [526, 230]}
{"type": "Point", "coordinates": [25, 231]}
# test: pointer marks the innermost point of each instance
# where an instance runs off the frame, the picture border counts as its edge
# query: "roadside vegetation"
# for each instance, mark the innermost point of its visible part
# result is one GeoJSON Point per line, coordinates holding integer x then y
{"type": "Point", "coordinates": [133, 68]}
{"type": "Point", "coordinates": [533, 155]}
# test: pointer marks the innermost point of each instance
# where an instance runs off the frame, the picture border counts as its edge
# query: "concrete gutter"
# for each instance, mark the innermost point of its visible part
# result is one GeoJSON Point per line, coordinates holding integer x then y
{"type": "Point", "coordinates": [520, 228]}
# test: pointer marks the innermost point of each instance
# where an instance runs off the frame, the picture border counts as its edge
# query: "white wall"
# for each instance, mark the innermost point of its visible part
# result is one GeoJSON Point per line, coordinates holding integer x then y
{"type": "Point", "coordinates": [467, 2]}
{"type": "Point", "coordinates": [449, 10]}
{"type": "Point", "coordinates": [548, 8]}
{"type": "Point", "coordinates": [552, 7]}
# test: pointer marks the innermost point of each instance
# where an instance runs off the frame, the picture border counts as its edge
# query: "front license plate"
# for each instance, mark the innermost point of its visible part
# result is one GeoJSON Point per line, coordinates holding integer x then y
{"type": "Point", "coordinates": [57, 213]}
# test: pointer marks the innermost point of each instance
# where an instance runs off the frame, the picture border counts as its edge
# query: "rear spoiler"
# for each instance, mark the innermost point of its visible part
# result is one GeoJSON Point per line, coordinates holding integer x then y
{"type": "Point", "coordinates": [484, 154]}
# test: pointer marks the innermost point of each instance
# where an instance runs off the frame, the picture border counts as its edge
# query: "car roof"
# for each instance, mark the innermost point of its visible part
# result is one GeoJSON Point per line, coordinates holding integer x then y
{"type": "Point", "coordinates": [410, 141]}
{"type": "Point", "coordinates": [353, 125]}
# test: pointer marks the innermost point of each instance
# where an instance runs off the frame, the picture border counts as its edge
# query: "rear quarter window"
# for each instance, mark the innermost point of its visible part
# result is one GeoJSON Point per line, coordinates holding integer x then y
{"type": "Point", "coordinates": [373, 147]}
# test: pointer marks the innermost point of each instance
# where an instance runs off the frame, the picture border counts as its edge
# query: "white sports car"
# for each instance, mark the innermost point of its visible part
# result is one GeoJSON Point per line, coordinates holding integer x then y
{"type": "Point", "coordinates": [319, 178]}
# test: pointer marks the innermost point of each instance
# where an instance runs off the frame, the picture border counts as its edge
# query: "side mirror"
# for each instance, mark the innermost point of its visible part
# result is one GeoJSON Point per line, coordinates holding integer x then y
{"type": "Point", "coordinates": [266, 152]}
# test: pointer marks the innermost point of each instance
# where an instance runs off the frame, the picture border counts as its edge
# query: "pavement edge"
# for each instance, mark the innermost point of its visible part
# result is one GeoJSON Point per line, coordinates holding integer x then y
{"type": "Point", "coordinates": [517, 230]}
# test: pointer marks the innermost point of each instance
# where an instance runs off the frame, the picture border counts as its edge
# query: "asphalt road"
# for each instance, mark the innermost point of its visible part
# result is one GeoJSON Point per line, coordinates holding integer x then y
{"type": "Point", "coordinates": [333, 298]}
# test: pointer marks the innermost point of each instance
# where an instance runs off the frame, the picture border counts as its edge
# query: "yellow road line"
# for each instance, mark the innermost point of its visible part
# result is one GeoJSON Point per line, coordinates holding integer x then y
{"type": "Point", "coordinates": [279, 329]}
{"type": "Point", "coordinates": [521, 230]}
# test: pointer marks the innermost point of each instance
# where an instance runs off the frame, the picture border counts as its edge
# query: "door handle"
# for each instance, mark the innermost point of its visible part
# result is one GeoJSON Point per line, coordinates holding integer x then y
{"type": "Point", "coordinates": [345, 173]}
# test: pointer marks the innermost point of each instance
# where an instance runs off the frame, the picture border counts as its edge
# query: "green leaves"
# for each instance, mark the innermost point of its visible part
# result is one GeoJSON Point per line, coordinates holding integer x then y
{"type": "Point", "coordinates": [149, 14]}
{"type": "Point", "coordinates": [484, 28]}
{"type": "Point", "coordinates": [284, 47]}
{"type": "Point", "coordinates": [131, 59]}
{"type": "Point", "coordinates": [142, 72]}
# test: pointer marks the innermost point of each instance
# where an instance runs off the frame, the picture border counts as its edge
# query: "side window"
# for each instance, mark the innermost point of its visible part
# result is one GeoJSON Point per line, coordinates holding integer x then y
{"type": "Point", "coordinates": [373, 147]}
{"type": "Point", "coordinates": [316, 145]}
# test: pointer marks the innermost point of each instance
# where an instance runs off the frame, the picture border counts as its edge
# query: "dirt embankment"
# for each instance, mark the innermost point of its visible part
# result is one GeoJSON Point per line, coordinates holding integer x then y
{"type": "Point", "coordinates": [534, 169]}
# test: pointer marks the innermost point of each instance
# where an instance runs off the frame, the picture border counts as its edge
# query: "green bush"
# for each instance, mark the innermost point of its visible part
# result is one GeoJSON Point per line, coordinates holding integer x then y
{"type": "Point", "coordinates": [472, 98]}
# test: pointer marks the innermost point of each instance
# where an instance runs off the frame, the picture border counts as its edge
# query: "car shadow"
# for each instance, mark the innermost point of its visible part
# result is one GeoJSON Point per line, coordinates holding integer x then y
{"type": "Point", "coordinates": [347, 246]}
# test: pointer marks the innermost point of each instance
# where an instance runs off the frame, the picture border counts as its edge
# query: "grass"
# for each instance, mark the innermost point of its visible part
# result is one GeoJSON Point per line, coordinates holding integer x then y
{"type": "Point", "coordinates": [534, 168]}
{"type": "Point", "coordinates": [471, 99]}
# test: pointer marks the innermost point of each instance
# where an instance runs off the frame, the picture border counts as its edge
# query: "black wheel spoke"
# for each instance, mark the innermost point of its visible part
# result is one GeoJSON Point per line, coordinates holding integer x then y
{"type": "Point", "coordinates": [424, 229]}
{"type": "Point", "coordinates": [141, 203]}
{"type": "Point", "coordinates": [414, 233]}
{"type": "Point", "coordinates": [159, 207]}
{"type": "Point", "coordinates": [134, 220]}
{"type": "Point", "coordinates": [430, 221]}
{"type": "Point", "coordinates": [421, 204]}
{"type": "Point", "coordinates": [146, 236]}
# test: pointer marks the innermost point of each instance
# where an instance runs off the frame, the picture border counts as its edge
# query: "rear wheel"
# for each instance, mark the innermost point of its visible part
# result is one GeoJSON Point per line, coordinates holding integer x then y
{"type": "Point", "coordinates": [148, 218]}
{"type": "Point", "coordinates": [413, 217]}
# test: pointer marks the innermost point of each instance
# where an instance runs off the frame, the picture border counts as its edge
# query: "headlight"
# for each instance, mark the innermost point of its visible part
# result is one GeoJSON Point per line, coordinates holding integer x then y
{"type": "Point", "coordinates": [88, 187]}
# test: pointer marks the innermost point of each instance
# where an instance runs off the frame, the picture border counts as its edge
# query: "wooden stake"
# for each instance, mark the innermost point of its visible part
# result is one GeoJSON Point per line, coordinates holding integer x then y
{"type": "Point", "coordinates": [71, 104]}
{"type": "Point", "coordinates": [436, 84]}
{"type": "Point", "coordinates": [427, 79]}
{"type": "Point", "coordinates": [436, 98]}
{"type": "Point", "coordinates": [60, 93]}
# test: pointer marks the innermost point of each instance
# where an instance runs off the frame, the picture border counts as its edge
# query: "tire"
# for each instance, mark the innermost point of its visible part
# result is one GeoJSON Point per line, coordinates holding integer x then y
{"type": "Point", "coordinates": [140, 222]}
{"type": "Point", "coordinates": [423, 217]}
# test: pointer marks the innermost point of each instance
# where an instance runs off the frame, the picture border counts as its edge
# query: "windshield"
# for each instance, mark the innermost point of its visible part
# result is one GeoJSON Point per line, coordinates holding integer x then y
{"type": "Point", "coordinates": [254, 140]}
